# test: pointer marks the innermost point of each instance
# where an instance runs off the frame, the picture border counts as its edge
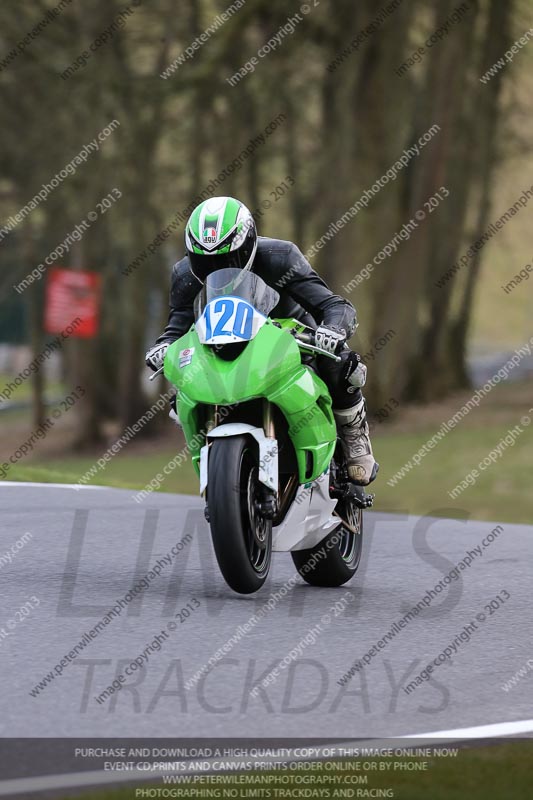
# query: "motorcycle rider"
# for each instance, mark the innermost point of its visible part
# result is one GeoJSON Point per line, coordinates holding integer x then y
{"type": "Point", "coordinates": [221, 233]}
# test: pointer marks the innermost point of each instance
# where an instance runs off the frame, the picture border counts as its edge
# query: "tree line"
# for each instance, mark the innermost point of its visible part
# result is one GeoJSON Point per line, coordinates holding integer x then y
{"type": "Point", "coordinates": [354, 87]}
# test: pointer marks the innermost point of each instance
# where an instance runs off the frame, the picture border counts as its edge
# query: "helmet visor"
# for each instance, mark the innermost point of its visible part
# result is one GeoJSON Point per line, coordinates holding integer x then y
{"type": "Point", "coordinates": [204, 264]}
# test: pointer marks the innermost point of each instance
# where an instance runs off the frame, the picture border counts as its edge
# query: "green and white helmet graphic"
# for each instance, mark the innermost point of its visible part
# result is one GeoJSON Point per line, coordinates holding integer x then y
{"type": "Point", "coordinates": [220, 233]}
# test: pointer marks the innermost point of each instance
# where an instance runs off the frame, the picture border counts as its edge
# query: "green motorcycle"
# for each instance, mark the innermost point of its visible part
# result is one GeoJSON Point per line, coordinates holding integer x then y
{"type": "Point", "coordinates": [260, 429]}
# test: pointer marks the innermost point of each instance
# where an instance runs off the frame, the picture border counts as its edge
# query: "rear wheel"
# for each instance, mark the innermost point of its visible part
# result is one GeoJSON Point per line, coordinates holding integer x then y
{"type": "Point", "coordinates": [342, 550]}
{"type": "Point", "coordinates": [242, 537]}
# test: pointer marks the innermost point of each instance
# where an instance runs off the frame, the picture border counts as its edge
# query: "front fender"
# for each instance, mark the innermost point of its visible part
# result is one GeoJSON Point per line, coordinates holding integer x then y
{"type": "Point", "coordinates": [268, 453]}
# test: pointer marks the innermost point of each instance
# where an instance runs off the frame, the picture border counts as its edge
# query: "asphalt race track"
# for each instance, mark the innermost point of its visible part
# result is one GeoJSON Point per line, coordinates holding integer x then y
{"type": "Point", "coordinates": [90, 547]}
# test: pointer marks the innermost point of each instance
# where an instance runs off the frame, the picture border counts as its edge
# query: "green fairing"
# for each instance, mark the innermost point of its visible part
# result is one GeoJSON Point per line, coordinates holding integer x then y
{"type": "Point", "coordinates": [269, 366]}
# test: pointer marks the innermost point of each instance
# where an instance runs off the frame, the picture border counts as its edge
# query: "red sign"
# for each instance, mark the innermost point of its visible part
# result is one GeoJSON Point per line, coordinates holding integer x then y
{"type": "Point", "coordinates": [72, 302]}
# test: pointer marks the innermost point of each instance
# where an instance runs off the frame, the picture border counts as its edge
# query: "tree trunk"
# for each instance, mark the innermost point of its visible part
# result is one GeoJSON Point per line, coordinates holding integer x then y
{"type": "Point", "coordinates": [498, 40]}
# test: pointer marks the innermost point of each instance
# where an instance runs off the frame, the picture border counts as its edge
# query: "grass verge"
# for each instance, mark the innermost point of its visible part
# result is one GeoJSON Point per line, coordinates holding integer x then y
{"type": "Point", "coordinates": [502, 493]}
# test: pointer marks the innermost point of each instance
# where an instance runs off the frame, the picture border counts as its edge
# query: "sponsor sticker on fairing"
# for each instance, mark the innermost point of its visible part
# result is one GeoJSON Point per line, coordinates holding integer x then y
{"type": "Point", "coordinates": [185, 357]}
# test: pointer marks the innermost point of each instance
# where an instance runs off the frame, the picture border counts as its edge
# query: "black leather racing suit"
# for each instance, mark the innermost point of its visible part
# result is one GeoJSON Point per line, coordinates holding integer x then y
{"type": "Point", "coordinates": [303, 295]}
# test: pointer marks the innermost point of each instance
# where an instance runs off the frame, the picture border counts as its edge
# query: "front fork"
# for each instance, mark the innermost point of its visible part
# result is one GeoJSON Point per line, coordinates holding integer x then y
{"type": "Point", "coordinates": [267, 502]}
{"type": "Point", "coordinates": [268, 420]}
{"type": "Point", "coordinates": [215, 419]}
{"type": "Point", "coordinates": [268, 505]}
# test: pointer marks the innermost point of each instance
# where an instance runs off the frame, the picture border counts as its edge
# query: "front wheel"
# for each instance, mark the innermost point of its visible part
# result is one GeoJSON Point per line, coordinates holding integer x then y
{"type": "Point", "coordinates": [335, 559]}
{"type": "Point", "coordinates": [242, 537]}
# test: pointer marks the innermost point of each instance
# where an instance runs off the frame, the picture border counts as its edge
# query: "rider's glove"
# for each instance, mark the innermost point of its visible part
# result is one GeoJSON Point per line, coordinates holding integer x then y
{"type": "Point", "coordinates": [330, 338]}
{"type": "Point", "coordinates": [156, 356]}
{"type": "Point", "coordinates": [354, 372]}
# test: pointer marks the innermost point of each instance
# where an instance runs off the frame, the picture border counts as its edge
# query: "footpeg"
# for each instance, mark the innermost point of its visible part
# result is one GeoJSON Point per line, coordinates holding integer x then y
{"type": "Point", "coordinates": [360, 497]}
{"type": "Point", "coordinates": [353, 492]}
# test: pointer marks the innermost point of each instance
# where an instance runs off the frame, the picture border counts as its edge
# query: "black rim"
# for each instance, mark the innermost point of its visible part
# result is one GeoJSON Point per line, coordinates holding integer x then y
{"type": "Point", "coordinates": [256, 528]}
{"type": "Point", "coordinates": [349, 544]}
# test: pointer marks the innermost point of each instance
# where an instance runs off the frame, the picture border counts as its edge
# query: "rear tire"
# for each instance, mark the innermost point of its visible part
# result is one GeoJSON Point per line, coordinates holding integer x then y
{"type": "Point", "coordinates": [242, 538]}
{"type": "Point", "coordinates": [343, 551]}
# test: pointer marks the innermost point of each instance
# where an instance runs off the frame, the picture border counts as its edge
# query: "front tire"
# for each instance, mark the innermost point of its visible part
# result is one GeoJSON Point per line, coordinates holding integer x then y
{"type": "Point", "coordinates": [343, 550]}
{"type": "Point", "coordinates": [242, 538]}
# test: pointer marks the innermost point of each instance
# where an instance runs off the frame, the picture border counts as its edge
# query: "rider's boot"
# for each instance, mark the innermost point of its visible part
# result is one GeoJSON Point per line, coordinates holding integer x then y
{"type": "Point", "coordinates": [353, 431]}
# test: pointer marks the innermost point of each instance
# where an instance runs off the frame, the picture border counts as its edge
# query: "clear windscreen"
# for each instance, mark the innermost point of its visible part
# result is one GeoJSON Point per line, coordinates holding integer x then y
{"type": "Point", "coordinates": [236, 283]}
